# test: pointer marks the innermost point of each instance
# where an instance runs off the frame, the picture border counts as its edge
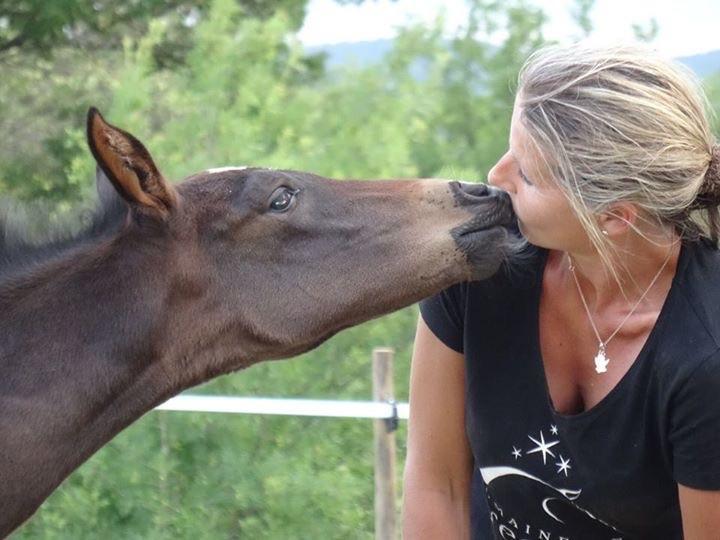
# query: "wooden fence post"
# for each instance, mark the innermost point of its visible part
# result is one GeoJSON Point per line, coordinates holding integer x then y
{"type": "Point", "coordinates": [383, 390]}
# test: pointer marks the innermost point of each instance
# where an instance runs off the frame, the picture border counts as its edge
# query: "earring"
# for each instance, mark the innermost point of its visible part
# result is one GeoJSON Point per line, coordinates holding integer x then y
{"type": "Point", "coordinates": [604, 232]}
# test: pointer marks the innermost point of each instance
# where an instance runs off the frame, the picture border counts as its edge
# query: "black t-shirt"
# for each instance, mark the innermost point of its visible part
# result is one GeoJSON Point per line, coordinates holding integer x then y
{"type": "Point", "coordinates": [611, 471]}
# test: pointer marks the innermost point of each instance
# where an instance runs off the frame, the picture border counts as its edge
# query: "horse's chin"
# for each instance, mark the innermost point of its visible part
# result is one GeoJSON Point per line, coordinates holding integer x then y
{"type": "Point", "coordinates": [487, 249]}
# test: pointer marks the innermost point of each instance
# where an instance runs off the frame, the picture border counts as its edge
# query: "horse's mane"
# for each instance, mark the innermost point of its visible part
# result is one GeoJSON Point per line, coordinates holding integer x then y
{"type": "Point", "coordinates": [33, 232]}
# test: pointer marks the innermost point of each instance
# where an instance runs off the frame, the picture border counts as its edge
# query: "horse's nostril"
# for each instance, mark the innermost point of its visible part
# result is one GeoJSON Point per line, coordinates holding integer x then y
{"type": "Point", "coordinates": [482, 197]}
{"type": "Point", "coordinates": [475, 190]}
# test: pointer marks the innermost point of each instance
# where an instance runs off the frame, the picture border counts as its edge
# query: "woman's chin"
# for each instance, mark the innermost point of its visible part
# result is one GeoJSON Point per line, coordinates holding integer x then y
{"type": "Point", "coordinates": [530, 237]}
{"type": "Point", "coordinates": [524, 232]}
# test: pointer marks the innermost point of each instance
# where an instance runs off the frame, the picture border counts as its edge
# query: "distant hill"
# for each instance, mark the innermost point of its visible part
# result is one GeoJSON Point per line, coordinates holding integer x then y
{"type": "Point", "coordinates": [364, 53]}
{"type": "Point", "coordinates": [703, 64]}
{"type": "Point", "coordinates": [361, 53]}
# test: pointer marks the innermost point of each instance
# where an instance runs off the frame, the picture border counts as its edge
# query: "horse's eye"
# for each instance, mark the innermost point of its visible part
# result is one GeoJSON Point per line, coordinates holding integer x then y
{"type": "Point", "coordinates": [282, 198]}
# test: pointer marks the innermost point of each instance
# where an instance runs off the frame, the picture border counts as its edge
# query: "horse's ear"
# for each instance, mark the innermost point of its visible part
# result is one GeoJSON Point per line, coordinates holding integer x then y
{"type": "Point", "coordinates": [107, 194]}
{"type": "Point", "coordinates": [128, 166]}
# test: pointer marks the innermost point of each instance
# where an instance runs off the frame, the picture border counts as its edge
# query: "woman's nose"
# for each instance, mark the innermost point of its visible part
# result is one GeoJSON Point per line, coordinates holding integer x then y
{"type": "Point", "coordinates": [498, 175]}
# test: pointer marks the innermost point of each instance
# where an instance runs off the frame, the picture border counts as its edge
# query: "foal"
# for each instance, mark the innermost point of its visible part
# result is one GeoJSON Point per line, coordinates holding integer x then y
{"type": "Point", "coordinates": [172, 285]}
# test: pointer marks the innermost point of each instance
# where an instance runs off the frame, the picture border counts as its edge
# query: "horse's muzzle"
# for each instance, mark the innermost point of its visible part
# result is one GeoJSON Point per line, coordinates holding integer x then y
{"type": "Point", "coordinates": [492, 206]}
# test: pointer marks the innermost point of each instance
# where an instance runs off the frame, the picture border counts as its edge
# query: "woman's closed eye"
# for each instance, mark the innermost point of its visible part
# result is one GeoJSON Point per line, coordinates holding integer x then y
{"type": "Point", "coordinates": [524, 178]}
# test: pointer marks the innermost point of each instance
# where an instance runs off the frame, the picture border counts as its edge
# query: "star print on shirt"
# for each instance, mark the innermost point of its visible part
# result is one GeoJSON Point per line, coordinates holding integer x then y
{"type": "Point", "coordinates": [543, 447]}
{"type": "Point", "coordinates": [563, 465]}
{"type": "Point", "coordinates": [516, 452]}
{"type": "Point", "coordinates": [554, 430]}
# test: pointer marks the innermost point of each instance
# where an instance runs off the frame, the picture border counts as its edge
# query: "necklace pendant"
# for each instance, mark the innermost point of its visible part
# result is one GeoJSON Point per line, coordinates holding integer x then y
{"type": "Point", "coordinates": [601, 361]}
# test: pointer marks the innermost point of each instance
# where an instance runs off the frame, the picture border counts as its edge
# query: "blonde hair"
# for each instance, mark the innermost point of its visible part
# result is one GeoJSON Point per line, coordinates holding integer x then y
{"type": "Point", "coordinates": [623, 124]}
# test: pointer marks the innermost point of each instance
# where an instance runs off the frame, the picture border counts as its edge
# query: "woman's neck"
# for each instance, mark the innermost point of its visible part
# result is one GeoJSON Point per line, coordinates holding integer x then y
{"type": "Point", "coordinates": [638, 261]}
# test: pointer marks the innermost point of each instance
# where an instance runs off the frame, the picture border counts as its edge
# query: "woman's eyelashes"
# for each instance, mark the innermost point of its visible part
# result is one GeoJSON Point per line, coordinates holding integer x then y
{"type": "Point", "coordinates": [524, 178]}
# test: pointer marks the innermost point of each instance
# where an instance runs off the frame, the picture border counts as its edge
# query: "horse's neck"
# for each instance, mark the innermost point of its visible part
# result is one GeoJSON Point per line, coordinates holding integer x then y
{"type": "Point", "coordinates": [80, 358]}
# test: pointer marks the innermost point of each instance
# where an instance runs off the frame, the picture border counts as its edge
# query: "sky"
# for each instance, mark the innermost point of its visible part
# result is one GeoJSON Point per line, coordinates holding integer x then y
{"type": "Point", "coordinates": [691, 29]}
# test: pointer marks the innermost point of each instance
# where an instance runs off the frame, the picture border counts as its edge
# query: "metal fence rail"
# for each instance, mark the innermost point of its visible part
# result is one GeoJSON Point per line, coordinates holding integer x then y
{"type": "Point", "coordinates": [291, 407]}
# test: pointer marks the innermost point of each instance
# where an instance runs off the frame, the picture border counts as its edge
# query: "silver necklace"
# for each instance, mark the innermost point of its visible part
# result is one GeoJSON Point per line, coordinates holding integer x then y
{"type": "Point", "coordinates": [601, 358]}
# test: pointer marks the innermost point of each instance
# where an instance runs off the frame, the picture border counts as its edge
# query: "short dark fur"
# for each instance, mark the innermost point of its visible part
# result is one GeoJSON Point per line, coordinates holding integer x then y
{"type": "Point", "coordinates": [170, 285]}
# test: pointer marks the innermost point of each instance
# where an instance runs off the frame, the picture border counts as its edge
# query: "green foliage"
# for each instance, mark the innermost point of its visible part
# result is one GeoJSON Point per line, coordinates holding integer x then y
{"type": "Point", "coordinates": [235, 87]}
{"type": "Point", "coordinates": [646, 33]}
{"type": "Point", "coordinates": [42, 104]}
{"type": "Point", "coordinates": [463, 107]}
{"type": "Point", "coordinates": [581, 15]}
{"type": "Point", "coordinates": [712, 88]}
{"type": "Point", "coordinates": [41, 26]}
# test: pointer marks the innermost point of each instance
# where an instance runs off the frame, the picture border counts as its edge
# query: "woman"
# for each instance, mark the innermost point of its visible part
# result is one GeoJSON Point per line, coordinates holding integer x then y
{"type": "Point", "coordinates": [580, 398]}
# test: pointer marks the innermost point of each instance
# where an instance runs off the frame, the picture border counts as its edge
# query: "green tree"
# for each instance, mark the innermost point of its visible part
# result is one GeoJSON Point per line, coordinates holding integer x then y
{"type": "Point", "coordinates": [464, 95]}
{"type": "Point", "coordinates": [42, 26]}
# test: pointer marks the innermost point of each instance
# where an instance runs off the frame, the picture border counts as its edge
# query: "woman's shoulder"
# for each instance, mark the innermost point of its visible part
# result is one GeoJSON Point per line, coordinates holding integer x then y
{"type": "Point", "coordinates": [690, 324]}
{"type": "Point", "coordinates": [701, 260]}
{"type": "Point", "coordinates": [698, 283]}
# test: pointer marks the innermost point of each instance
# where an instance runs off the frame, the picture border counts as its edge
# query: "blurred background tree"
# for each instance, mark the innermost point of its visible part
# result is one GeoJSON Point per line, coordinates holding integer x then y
{"type": "Point", "coordinates": [42, 27]}
{"type": "Point", "coordinates": [214, 82]}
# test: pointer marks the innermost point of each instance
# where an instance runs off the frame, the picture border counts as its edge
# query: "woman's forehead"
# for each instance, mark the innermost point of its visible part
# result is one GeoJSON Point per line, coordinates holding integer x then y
{"type": "Point", "coordinates": [525, 152]}
{"type": "Point", "coordinates": [519, 141]}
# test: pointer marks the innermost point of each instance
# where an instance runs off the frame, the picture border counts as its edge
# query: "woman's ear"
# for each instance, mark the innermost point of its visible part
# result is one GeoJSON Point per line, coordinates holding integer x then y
{"type": "Point", "coordinates": [618, 218]}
